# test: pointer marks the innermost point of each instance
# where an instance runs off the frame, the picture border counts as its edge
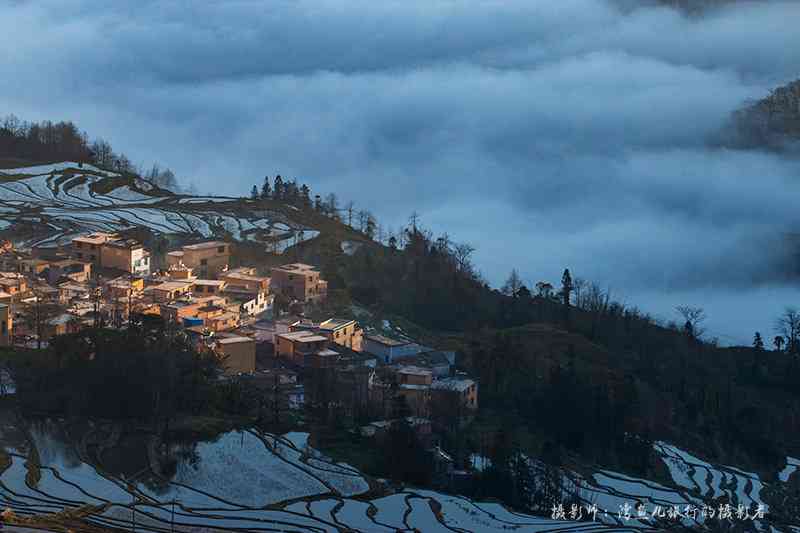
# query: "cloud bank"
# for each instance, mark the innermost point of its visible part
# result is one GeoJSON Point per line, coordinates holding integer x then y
{"type": "Point", "coordinates": [548, 134]}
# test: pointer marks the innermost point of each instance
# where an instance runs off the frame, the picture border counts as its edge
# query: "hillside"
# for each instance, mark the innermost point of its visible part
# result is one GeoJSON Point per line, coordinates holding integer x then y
{"type": "Point", "coordinates": [772, 122]}
{"type": "Point", "coordinates": [47, 205]}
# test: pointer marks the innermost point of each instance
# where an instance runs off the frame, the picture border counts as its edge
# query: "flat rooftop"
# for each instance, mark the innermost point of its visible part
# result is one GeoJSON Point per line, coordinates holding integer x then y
{"type": "Point", "coordinates": [414, 370]}
{"type": "Point", "coordinates": [296, 268]}
{"type": "Point", "coordinates": [454, 384]}
{"type": "Point", "coordinates": [234, 340]}
{"type": "Point", "coordinates": [386, 341]}
{"type": "Point", "coordinates": [211, 282]}
{"type": "Point", "coordinates": [243, 277]}
{"type": "Point", "coordinates": [204, 245]}
{"type": "Point", "coordinates": [335, 323]}
{"type": "Point", "coordinates": [302, 336]}
{"type": "Point", "coordinates": [170, 285]}
{"type": "Point", "coordinates": [125, 243]}
{"type": "Point", "coordinates": [95, 238]}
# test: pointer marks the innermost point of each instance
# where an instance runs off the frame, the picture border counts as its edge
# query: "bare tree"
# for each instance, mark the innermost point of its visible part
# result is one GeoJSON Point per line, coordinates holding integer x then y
{"type": "Point", "coordinates": [463, 256]}
{"type": "Point", "coordinates": [349, 206]}
{"type": "Point", "coordinates": [694, 318]}
{"type": "Point", "coordinates": [788, 325]}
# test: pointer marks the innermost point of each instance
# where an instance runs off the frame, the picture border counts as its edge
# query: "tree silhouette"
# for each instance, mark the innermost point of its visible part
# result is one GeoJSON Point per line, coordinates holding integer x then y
{"type": "Point", "coordinates": [758, 342]}
{"type": "Point", "coordinates": [513, 284]}
{"type": "Point", "coordinates": [266, 190]}
{"type": "Point", "coordinates": [788, 325]}
{"type": "Point", "coordinates": [778, 342]}
{"type": "Point", "coordinates": [566, 292]}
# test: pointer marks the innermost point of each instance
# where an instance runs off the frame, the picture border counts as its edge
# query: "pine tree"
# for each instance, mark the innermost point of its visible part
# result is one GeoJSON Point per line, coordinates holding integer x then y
{"type": "Point", "coordinates": [317, 203]}
{"type": "Point", "coordinates": [305, 195]}
{"type": "Point", "coordinates": [513, 284]}
{"type": "Point", "coordinates": [566, 291]}
{"type": "Point", "coordinates": [254, 193]}
{"type": "Point", "coordinates": [279, 188]}
{"type": "Point", "coordinates": [291, 193]}
{"type": "Point", "coordinates": [758, 342]}
{"type": "Point", "coordinates": [266, 190]}
{"type": "Point", "coordinates": [566, 287]}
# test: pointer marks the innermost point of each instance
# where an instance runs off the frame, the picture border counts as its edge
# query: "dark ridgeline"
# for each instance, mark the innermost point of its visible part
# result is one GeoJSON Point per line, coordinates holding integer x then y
{"type": "Point", "coordinates": [24, 143]}
{"type": "Point", "coordinates": [43, 141]}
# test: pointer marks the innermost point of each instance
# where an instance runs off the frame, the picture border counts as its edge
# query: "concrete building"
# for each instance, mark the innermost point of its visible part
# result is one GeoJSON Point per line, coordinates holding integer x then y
{"type": "Point", "coordinates": [343, 332]}
{"type": "Point", "coordinates": [128, 255]}
{"type": "Point", "coordinates": [414, 387]}
{"type": "Point", "coordinates": [440, 363]}
{"type": "Point", "coordinates": [296, 345]}
{"type": "Point", "coordinates": [465, 390]}
{"type": "Point", "coordinates": [299, 281]}
{"type": "Point", "coordinates": [253, 304]}
{"type": "Point", "coordinates": [237, 354]}
{"type": "Point", "coordinates": [73, 269]}
{"type": "Point", "coordinates": [206, 259]}
{"type": "Point", "coordinates": [13, 283]}
{"type": "Point", "coordinates": [208, 287]}
{"type": "Point", "coordinates": [167, 291]}
{"type": "Point", "coordinates": [180, 272]}
{"type": "Point", "coordinates": [389, 350]}
{"type": "Point", "coordinates": [32, 266]}
{"type": "Point", "coordinates": [108, 250]}
{"type": "Point", "coordinates": [244, 279]}
{"type": "Point", "coordinates": [87, 247]}
{"type": "Point", "coordinates": [176, 311]}
{"type": "Point", "coordinates": [266, 330]}
{"type": "Point", "coordinates": [124, 287]}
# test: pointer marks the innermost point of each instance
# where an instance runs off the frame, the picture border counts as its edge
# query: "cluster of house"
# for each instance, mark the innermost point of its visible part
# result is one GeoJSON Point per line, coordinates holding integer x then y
{"type": "Point", "coordinates": [109, 278]}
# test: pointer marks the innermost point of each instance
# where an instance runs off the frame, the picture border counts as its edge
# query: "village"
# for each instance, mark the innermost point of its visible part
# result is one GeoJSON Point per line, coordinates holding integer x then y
{"type": "Point", "coordinates": [255, 321]}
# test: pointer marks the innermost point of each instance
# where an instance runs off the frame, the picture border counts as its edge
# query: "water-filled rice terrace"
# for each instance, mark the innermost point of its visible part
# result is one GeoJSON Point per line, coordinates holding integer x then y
{"type": "Point", "coordinates": [249, 480]}
{"type": "Point", "coordinates": [62, 200]}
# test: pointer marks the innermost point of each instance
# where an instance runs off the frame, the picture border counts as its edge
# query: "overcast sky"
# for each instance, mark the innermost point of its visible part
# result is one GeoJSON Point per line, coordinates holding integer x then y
{"type": "Point", "coordinates": [546, 133]}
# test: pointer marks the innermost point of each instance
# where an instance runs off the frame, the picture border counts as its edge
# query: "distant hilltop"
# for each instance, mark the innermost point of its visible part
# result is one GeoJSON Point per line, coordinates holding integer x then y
{"type": "Point", "coordinates": [772, 122]}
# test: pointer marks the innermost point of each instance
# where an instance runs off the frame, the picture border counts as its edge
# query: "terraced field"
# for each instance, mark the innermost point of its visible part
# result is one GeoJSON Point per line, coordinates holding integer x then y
{"type": "Point", "coordinates": [56, 202]}
{"type": "Point", "coordinates": [242, 481]}
{"type": "Point", "coordinates": [254, 481]}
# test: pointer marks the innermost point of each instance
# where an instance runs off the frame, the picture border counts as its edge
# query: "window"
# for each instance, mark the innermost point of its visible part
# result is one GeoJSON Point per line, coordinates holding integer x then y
{"type": "Point", "coordinates": [80, 255]}
{"type": "Point", "coordinates": [221, 249]}
{"type": "Point", "coordinates": [79, 244]}
{"type": "Point", "coordinates": [204, 262]}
